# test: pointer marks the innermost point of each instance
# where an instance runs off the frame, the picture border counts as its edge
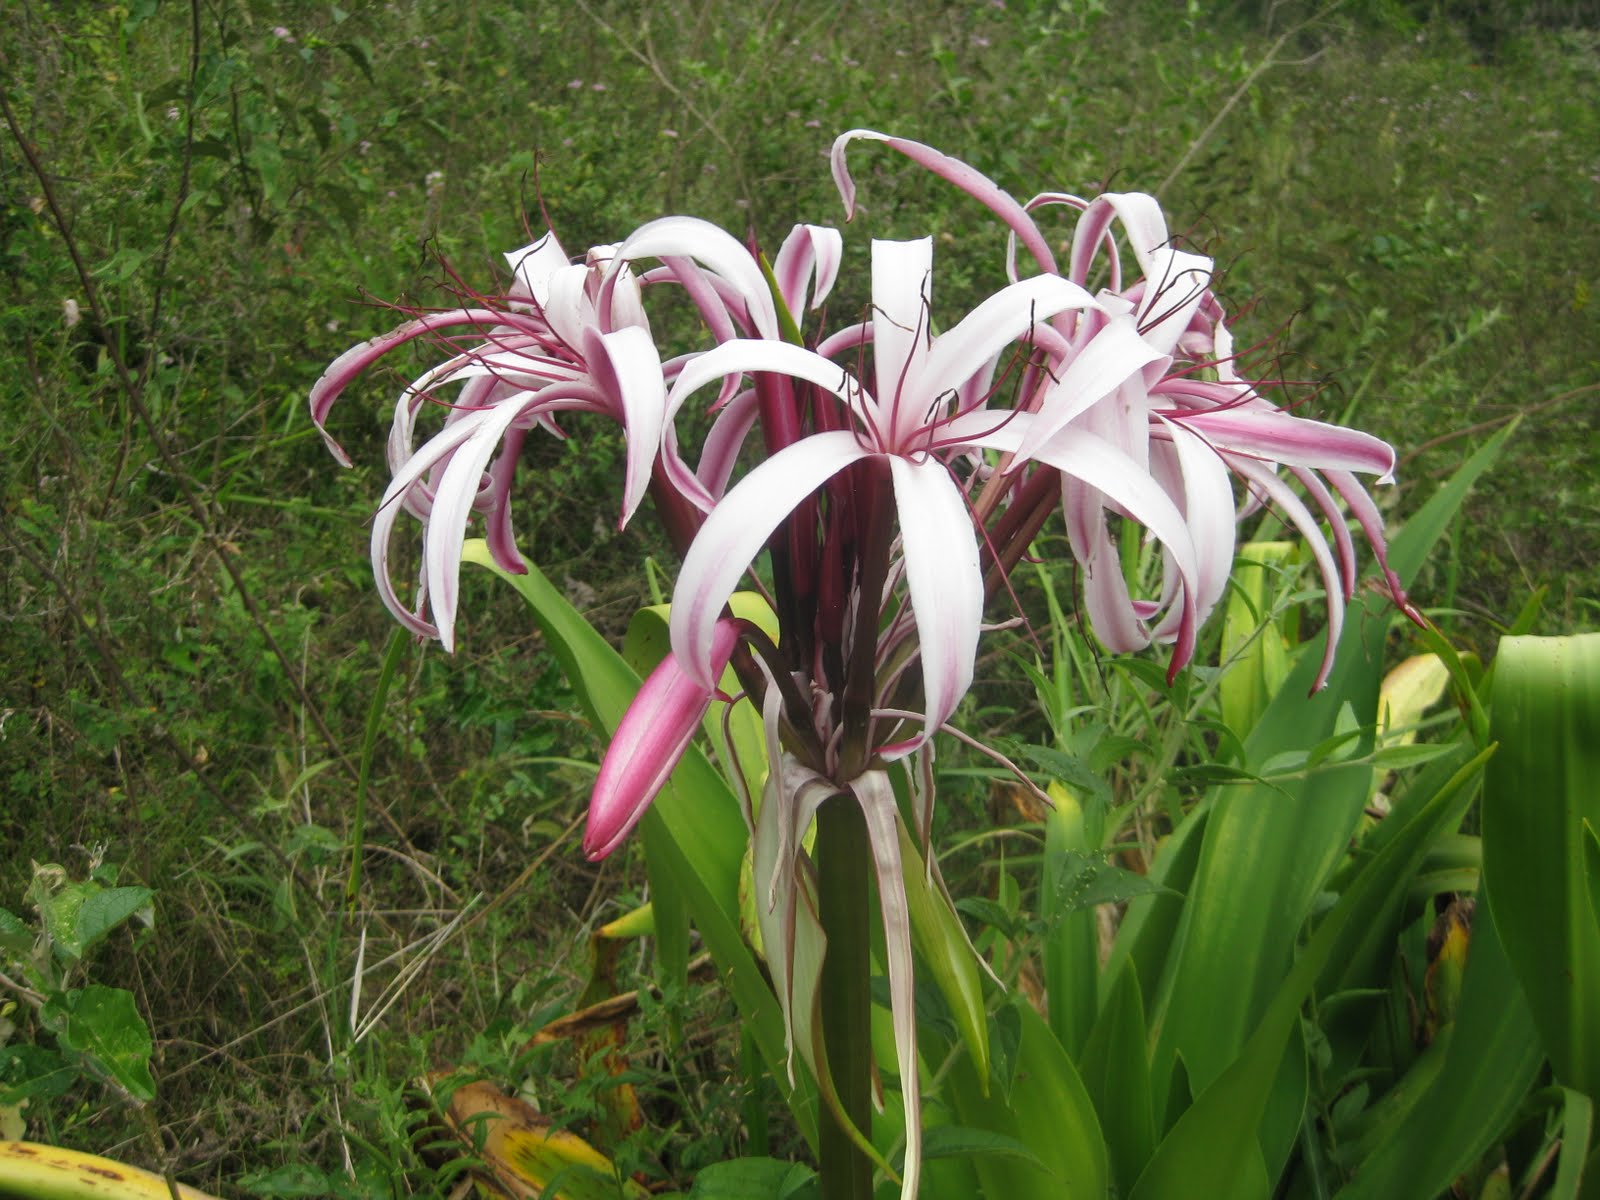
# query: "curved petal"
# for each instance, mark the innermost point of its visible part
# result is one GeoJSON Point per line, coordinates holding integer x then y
{"type": "Point", "coordinates": [531, 268]}
{"type": "Point", "coordinates": [624, 363]}
{"type": "Point", "coordinates": [1295, 441]}
{"type": "Point", "coordinates": [497, 522]}
{"type": "Point", "coordinates": [1113, 614]}
{"type": "Point", "coordinates": [977, 185]}
{"type": "Point", "coordinates": [712, 246]}
{"type": "Point", "coordinates": [811, 253]}
{"type": "Point", "coordinates": [734, 533]}
{"type": "Point", "coordinates": [902, 290]}
{"type": "Point", "coordinates": [437, 449]}
{"type": "Point", "coordinates": [342, 370]}
{"type": "Point", "coordinates": [1113, 356]}
{"type": "Point", "coordinates": [1142, 220]}
{"type": "Point", "coordinates": [1282, 495]}
{"type": "Point", "coordinates": [1096, 462]}
{"type": "Point", "coordinates": [452, 505]}
{"type": "Point", "coordinates": [996, 323]}
{"type": "Point", "coordinates": [1209, 511]}
{"type": "Point", "coordinates": [1175, 285]}
{"type": "Point", "coordinates": [1371, 522]}
{"type": "Point", "coordinates": [721, 448]}
{"type": "Point", "coordinates": [750, 355]}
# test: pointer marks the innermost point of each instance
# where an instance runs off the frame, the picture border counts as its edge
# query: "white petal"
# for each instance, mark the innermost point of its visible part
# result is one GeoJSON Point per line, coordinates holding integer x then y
{"type": "Point", "coordinates": [876, 796]}
{"type": "Point", "coordinates": [437, 449]}
{"type": "Point", "coordinates": [1175, 284]}
{"type": "Point", "coordinates": [1113, 356]}
{"type": "Point", "coordinates": [748, 355]}
{"type": "Point", "coordinates": [452, 505]}
{"type": "Point", "coordinates": [809, 252]}
{"type": "Point", "coordinates": [734, 533]}
{"type": "Point", "coordinates": [1000, 320]}
{"type": "Point", "coordinates": [902, 283]}
{"type": "Point", "coordinates": [625, 363]}
{"type": "Point", "coordinates": [946, 583]}
{"type": "Point", "coordinates": [714, 247]}
{"type": "Point", "coordinates": [1209, 510]}
{"type": "Point", "coordinates": [532, 267]}
{"type": "Point", "coordinates": [1276, 436]}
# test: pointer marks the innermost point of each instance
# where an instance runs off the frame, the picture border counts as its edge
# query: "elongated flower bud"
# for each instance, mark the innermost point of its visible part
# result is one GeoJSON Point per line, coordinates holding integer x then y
{"type": "Point", "coordinates": [653, 734]}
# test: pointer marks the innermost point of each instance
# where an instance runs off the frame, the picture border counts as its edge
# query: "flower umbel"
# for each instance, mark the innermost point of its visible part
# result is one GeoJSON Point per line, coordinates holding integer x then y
{"type": "Point", "coordinates": [904, 466]}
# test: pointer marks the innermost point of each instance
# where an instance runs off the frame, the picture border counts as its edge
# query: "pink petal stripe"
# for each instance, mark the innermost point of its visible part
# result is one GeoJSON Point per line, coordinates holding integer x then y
{"type": "Point", "coordinates": [1276, 436]}
{"type": "Point", "coordinates": [810, 253]}
{"type": "Point", "coordinates": [357, 359]}
{"type": "Point", "coordinates": [977, 185]}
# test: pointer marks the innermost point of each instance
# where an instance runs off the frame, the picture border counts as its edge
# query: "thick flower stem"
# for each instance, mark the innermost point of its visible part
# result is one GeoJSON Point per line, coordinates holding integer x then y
{"type": "Point", "coordinates": [844, 867]}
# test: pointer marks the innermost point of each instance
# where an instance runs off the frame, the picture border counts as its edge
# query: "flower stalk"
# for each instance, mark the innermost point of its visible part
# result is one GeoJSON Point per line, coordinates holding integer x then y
{"type": "Point", "coordinates": [844, 869]}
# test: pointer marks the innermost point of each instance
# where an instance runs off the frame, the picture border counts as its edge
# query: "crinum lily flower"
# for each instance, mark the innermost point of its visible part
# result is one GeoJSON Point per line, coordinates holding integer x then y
{"type": "Point", "coordinates": [546, 349]}
{"type": "Point", "coordinates": [1192, 420]}
{"type": "Point", "coordinates": [565, 338]}
{"type": "Point", "coordinates": [891, 503]}
{"type": "Point", "coordinates": [1187, 418]}
{"type": "Point", "coordinates": [901, 442]}
{"type": "Point", "coordinates": [927, 408]}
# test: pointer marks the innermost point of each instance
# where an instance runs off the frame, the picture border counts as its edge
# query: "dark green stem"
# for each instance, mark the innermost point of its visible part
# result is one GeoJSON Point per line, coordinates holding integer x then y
{"type": "Point", "coordinates": [844, 865]}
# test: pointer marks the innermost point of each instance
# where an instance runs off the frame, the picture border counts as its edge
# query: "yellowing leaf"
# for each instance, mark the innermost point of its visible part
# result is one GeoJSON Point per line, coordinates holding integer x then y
{"type": "Point", "coordinates": [523, 1158]}
{"type": "Point", "coordinates": [1407, 692]}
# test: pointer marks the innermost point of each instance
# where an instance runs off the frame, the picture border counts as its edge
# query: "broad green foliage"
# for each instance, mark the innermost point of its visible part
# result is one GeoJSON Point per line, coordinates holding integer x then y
{"type": "Point", "coordinates": [98, 1031]}
{"type": "Point", "coordinates": [1420, 191]}
{"type": "Point", "coordinates": [1541, 808]}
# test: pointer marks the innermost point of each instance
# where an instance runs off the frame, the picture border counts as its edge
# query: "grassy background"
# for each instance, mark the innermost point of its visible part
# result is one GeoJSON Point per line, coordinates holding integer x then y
{"type": "Point", "coordinates": [1405, 197]}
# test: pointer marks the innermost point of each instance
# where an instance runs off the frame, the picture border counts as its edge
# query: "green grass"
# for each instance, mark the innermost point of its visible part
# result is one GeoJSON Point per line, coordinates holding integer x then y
{"type": "Point", "coordinates": [1407, 213]}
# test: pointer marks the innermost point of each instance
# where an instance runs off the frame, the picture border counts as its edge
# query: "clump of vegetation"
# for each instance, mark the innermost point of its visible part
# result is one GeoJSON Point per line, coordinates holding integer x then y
{"type": "Point", "coordinates": [200, 204]}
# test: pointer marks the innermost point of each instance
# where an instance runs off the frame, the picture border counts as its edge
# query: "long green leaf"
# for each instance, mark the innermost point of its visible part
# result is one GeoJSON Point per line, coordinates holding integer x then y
{"type": "Point", "coordinates": [1269, 848]}
{"type": "Point", "coordinates": [1048, 1110]}
{"type": "Point", "coordinates": [942, 945]}
{"type": "Point", "coordinates": [1577, 1119]}
{"type": "Point", "coordinates": [1116, 1072]}
{"type": "Point", "coordinates": [1491, 1061]}
{"type": "Point", "coordinates": [695, 826]}
{"type": "Point", "coordinates": [1071, 940]}
{"type": "Point", "coordinates": [1539, 792]}
{"type": "Point", "coordinates": [1255, 645]}
{"type": "Point", "coordinates": [1214, 1145]}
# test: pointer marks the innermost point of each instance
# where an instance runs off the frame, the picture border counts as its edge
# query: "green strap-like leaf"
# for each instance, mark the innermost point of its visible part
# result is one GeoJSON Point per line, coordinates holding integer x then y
{"type": "Point", "coordinates": [1539, 793]}
{"type": "Point", "coordinates": [1047, 1109]}
{"type": "Point", "coordinates": [1116, 1072]}
{"type": "Point", "coordinates": [1214, 1145]}
{"type": "Point", "coordinates": [1269, 848]}
{"type": "Point", "coordinates": [1489, 1064]}
{"type": "Point", "coordinates": [698, 831]}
